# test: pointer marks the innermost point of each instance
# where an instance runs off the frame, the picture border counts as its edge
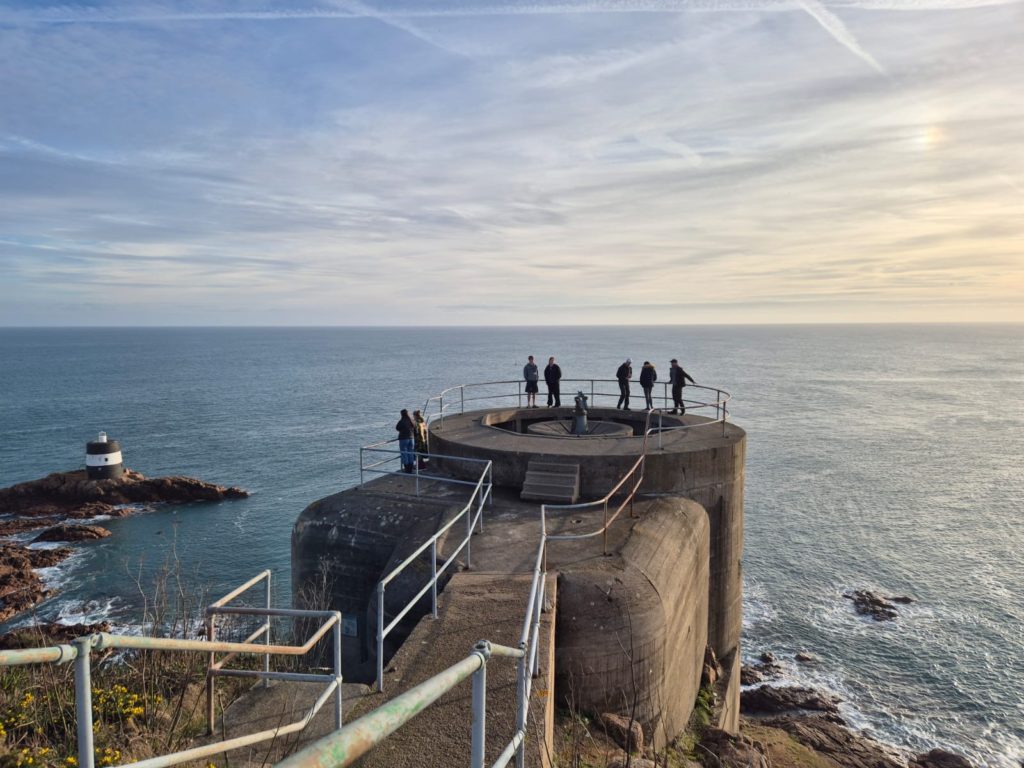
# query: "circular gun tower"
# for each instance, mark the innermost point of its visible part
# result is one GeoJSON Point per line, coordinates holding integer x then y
{"type": "Point", "coordinates": [643, 517]}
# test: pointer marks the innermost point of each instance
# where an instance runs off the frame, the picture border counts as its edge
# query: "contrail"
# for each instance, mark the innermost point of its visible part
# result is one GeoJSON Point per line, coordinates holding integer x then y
{"type": "Point", "coordinates": [835, 27]}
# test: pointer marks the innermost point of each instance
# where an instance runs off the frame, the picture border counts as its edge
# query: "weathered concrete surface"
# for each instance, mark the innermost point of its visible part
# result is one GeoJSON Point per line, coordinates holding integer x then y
{"type": "Point", "coordinates": [275, 706]}
{"type": "Point", "coordinates": [342, 545]}
{"type": "Point", "coordinates": [704, 463]}
{"type": "Point", "coordinates": [475, 606]}
{"type": "Point", "coordinates": [633, 627]}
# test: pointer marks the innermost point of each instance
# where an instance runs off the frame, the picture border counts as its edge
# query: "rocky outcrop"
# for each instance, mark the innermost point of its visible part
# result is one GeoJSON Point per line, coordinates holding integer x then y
{"type": "Point", "coordinates": [20, 586]}
{"type": "Point", "coordinates": [65, 493]}
{"type": "Point", "coordinates": [625, 732]}
{"type": "Point", "coordinates": [46, 502]}
{"type": "Point", "coordinates": [72, 533]}
{"type": "Point", "coordinates": [767, 700]}
{"type": "Point", "coordinates": [828, 736]}
{"type": "Point", "coordinates": [720, 749]}
{"type": "Point", "coordinates": [940, 758]}
{"type": "Point", "coordinates": [766, 668]}
{"type": "Point", "coordinates": [867, 603]}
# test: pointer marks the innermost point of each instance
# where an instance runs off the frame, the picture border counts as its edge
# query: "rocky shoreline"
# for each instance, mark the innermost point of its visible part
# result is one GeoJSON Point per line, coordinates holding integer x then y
{"type": "Point", "coordinates": [50, 502]}
{"type": "Point", "coordinates": [790, 725]}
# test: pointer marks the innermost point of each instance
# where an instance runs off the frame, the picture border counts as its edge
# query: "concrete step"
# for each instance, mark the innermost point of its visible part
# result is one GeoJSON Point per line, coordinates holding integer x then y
{"type": "Point", "coordinates": [544, 493]}
{"type": "Point", "coordinates": [551, 481]}
{"type": "Point", "coordinates": [553, 468]}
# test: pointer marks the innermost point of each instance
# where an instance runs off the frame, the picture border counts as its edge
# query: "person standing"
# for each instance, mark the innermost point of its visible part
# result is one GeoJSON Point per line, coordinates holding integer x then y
{"type": "Point", "coordinates": [647, 378]}
{"type": "Point", "coordinates": [552, 377]}
{"type": "Point", "coordinates": [420, 438]}
{"type": "Point", "coordinates": [624, 374]}
{"type": "Point", "coordinates": [677, 378]}
{"type": "Point", "coordinates": [406, 441]}
{"type": "Point", "coordinates": [532, 375]}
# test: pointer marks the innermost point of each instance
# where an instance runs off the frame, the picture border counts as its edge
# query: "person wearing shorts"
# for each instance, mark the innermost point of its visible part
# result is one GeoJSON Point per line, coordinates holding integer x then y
{"type": "Point", "coordinates": [532, 375]}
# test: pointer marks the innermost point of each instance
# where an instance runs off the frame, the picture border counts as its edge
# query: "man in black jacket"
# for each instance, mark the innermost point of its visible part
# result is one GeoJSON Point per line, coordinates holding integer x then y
{"type": "Point", "coordinates": [624, 374]}
{"type": "Point", "coordinates": [677, 377]}
{"type": "Point", "coordinates": [552, 377]}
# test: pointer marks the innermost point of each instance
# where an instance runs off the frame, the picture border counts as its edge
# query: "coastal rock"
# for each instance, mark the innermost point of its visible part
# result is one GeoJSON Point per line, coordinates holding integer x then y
{"type": "Point", "coordinates": [833, 740]}
{"type": "Point", "coordinates": [940, 758]}
{"type": "Point", "coordinates": [867, 603]}
{"type": "Point", "coordinates": [720, 749]}
{"type": "Point", "coordinates": [68, 532]}
{"type": "Point", "coordinates": [804, 658]}
{"type": "Point", "coordinates": [20, 587]}
{"type": "Point", "coordinates": [627, 734]}
{"type": "Point", "coordinates": [767, 699]}
{"type": "Point", "coordinates": [74, 494]}
{"type": "Point", "coordinates": [766, 668]}
{"type": "Point", "coordinates": [39, 635]}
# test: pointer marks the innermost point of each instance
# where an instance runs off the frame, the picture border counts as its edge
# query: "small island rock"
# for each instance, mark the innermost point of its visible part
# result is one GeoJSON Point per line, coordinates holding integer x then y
{"type": "Point", "coordinates": [69, 532]}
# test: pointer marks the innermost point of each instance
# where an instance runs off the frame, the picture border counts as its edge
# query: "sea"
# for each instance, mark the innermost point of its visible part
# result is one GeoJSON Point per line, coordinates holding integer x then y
{"type": "Point", "coordinates": [881, 457]}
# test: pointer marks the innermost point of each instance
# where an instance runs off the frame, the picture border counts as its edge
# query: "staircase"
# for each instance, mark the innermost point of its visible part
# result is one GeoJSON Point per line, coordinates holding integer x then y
{"type": "Point", "coordinates": [550, 481]}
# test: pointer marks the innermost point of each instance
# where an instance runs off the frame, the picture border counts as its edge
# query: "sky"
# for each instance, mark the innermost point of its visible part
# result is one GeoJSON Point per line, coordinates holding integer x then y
{"type": "Point", "coordinates": [454, 162]}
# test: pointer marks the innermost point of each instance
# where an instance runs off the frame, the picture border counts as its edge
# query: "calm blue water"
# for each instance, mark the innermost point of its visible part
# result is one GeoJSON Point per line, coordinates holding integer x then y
{"type": "Point", "coordinates": [881, 457]}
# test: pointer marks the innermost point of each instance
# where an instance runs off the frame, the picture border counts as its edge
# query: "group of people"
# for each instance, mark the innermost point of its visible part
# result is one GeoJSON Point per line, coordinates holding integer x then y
{"type": "Point", "coordinates": [412, 440]}
{"type": "Point", "coordinates": [648, 375]}
{"type": "Point", "coordinates": [412, 430]}
{"type": "Point", "coordinates": [677, 379]}
{"type": "Point", "coordinates": [552, 378]}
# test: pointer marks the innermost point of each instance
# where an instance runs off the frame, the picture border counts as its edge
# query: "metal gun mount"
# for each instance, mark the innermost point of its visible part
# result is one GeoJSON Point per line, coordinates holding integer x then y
{"type": "Point", "coordinates": [580, 415]}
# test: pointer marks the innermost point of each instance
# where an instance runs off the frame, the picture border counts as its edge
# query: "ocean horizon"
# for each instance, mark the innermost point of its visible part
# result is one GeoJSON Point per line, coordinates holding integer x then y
{"type": "Point", "coordinates": [880, 456]}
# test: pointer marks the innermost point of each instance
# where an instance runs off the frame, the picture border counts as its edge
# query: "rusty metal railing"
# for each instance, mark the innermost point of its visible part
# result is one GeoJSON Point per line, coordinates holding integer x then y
{"type": "Point", "coordinates": [80, 651]}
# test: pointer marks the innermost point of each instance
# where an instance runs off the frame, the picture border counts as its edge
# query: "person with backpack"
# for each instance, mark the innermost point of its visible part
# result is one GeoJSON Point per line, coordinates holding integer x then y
{"type": "Point", "coordinates": [406, 441]}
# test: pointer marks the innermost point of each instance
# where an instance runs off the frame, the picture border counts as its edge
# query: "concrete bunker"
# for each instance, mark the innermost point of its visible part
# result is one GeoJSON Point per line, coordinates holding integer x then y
{"type": "Point", "coordinates": [632, 627]}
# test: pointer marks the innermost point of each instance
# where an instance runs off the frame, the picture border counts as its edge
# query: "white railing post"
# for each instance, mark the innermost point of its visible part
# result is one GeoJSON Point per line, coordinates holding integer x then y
{"type": "Point", "coordinates": [659, 430]}
{"type": "Point", "coordinates": [211, 679]}
{"type": "Point", "coordinates": [266, 657]}
{"type": "Point", "coordinates": [479, 739]}
{"type": "Point", "coordinates": [416, 466]}
{"type": "Point", "coordinates": [433, 580]}
{"type": "Point", "coordinates": [380, 637]}
{"type": "Point", "coordinates": [83, 702]}
{"type": "Point", "coordinates": [521, 704]}
{"type": "Point", "coordinates": [462, 398]}
{"type": "Point", "coordinates": [469, 542]}
{"type": "Point", "coordinates": [337, 672]}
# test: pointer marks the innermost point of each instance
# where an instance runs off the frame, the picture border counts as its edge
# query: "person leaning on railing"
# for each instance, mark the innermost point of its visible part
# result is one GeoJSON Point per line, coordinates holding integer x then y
{"type": "Point", "coordinates": [677, 378]}
{"type": "Point", "coordinates": [406, 441]}
{"type": "Point", "coordinates": [624, 374]}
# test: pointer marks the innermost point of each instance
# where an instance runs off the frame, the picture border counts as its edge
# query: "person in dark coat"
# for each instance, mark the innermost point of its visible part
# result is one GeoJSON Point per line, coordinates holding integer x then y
{"type": "Point", "coordinates": [624, 374]}
{"type": "Point", "coordinates": [647, 378]}
{"type": "Point", "coordinates": [552, 377]}
{"type": "Point", "coordinates": [406, 429]}
{"type": "Point", "coordinates": [531, 374]}
{"type": "Point", "coordinates": [677, 377]}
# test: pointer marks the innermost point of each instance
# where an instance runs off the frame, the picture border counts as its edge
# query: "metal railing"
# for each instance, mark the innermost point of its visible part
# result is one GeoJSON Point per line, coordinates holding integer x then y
{"type": "Point", "coordinates": [346, 746]}
{"type": "Point", "coordinates": [455, 399]}
{"type": "Point", "coordinates": [371, 463]}
{"type": "Point", "coordinates": [481, 495]}
{"type": "Point", "coordinates": [80, 651]}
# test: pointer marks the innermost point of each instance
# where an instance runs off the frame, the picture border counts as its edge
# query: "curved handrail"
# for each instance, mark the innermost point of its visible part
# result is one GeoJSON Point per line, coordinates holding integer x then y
{"type": "Point", "coordinates": [455, 396]}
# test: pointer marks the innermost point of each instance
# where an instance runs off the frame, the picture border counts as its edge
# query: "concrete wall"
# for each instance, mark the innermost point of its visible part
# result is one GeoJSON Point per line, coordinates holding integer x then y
{"type": "Point", "coordinates": [341, 547]}
{"type": "Point", "coordinates": [632, 628]}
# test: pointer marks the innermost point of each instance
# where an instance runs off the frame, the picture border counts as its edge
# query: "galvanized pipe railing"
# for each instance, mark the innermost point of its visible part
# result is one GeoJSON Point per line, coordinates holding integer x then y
{"type": "Point", "coordinates": [480, 496]}
{"type": "Point", "coordinates": [344, 747]}
{"type": "Point", "coordinates": [457, 397]}
{"type": "Point", "coordinates": [80, 652]}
